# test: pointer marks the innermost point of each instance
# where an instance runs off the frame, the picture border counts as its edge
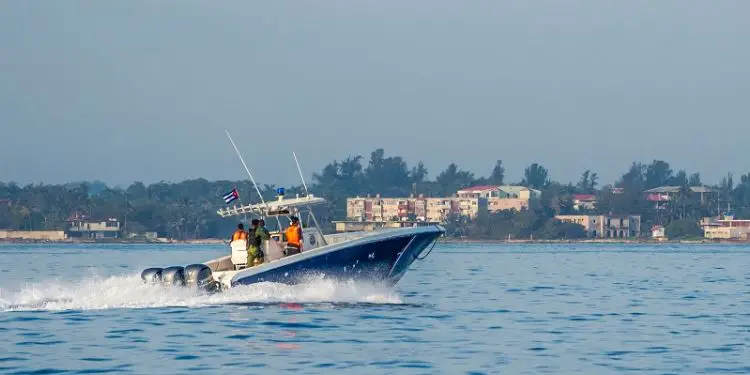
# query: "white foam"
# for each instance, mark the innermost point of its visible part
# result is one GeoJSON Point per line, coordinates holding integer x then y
{"type": "Point", "coordinates": [98, 293]}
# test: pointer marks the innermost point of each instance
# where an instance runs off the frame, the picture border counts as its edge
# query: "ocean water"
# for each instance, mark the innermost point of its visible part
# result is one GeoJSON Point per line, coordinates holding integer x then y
{"type": "Point", "coordinates": [466, 309]}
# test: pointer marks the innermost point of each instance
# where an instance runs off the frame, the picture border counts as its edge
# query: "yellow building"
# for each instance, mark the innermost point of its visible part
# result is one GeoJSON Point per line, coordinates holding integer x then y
{"type": "Point", "coordinates": [378, 209]}
{"type": "Point", "coordinates": [725, 228]}
{"type": "Point", "coordinates": [503, 197]}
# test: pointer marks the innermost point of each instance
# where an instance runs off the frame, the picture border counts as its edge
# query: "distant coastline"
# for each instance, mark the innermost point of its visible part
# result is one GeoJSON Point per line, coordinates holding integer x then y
{"type": "Point", "coordinates": [444, 240]}
{"type": "Point", "coordinates": [597, 241]}
{"type": "Point", "coordinates": [647, 199]}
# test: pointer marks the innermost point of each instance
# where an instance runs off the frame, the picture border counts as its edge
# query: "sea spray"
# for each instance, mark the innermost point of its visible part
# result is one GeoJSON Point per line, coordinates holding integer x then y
{"type": "Point", "coordinates": [128, 291]}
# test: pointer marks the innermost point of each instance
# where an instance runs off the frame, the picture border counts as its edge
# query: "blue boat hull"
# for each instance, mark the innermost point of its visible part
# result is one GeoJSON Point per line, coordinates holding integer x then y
{"type": "Point", "coordinates": [385, 259]}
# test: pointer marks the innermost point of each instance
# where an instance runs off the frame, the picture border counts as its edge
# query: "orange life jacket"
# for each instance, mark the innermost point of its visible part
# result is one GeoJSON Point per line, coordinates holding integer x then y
{"type": "Point", "coordinates": [239, 235]}
{"type": "Point", "coordinates": [293, 236]}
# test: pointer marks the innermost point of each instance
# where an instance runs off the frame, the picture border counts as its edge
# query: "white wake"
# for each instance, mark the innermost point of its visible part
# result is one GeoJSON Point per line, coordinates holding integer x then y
{"type": "Point", "coordinates": [129, 291]}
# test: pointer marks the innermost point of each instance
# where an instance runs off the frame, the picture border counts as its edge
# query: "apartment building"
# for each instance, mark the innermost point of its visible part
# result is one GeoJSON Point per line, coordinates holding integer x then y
{"type": "Point", "coordinates": [606, 226]}
{"type": "Point", "coordinates": [503, 197]}
{"type": "Point", "coordinates": [378, 209]}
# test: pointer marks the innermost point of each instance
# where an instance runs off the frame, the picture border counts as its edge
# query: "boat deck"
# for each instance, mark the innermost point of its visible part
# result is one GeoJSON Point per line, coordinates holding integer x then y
{"type": "Point", "coordinates": [224, 264]}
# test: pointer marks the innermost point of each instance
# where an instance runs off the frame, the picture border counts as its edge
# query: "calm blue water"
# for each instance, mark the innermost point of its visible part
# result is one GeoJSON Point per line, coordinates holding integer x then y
{"type": "Point", "coordinates": [512, 309]}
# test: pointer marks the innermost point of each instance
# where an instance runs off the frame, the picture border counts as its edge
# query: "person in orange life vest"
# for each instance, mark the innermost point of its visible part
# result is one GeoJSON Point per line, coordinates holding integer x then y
{"type": "Point", "coordinates": [239, 234]}
{"type": "Point", "coordinates": [293, 237]}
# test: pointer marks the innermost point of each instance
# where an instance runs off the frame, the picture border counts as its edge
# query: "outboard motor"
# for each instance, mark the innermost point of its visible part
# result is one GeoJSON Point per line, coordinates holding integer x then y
{"type": "Point", "coordinates": [174, 275]}
{"type": "Point", "coordinates": [200, 276]}
{"type": "Point", "coordinates": [151, 275]}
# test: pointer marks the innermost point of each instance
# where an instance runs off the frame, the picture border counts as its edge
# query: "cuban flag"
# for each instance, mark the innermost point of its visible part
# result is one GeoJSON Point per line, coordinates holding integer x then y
{"type": "Point", "coordinates": [231, 196]}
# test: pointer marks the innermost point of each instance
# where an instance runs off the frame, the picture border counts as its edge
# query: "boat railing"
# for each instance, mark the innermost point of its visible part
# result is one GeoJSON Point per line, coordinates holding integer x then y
{"type": "Point", "coordinates": [280, 207]}
{"type": "Point", "coordinates": [346, 236]}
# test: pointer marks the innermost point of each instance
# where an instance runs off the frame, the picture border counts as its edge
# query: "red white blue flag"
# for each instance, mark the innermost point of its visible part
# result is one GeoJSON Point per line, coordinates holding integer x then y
{"type": "Point", "coordinates": [231, 196]}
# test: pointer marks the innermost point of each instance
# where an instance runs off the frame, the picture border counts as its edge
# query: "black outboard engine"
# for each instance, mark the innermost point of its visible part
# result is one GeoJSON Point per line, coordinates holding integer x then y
{"type": "Point", "coordinates": [199, 276]}
{"type": "Point", "coordinates": [151, 275]}
{"type": "Point", "coordinates": [174, 275]}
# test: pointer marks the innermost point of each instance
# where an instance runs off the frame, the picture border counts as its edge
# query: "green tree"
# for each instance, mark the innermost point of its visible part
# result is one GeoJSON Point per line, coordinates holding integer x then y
{"type": "Point", "coordinates": [680, 179]}
{"type": "Point", "coordinates": [695, 179]}
{"type": "Point", "coordinates": [555, 229]}
{"type": "Point", "coordinates": [387, 175]}
{"type": "Point", "coordinates": [678, 229]}
{"type": "Point", "coordinates": [418, 174]}
{"type": "Point", "coordinates": [498, 173]}
{"type": "Point", "coordinates": [452, 179]}
{"type": "Point", "coordinates": [658, 173]}
{"type": "Point", "coordinates": [536, 176]}
{"type": "Point", "coordinates": [588, 182]}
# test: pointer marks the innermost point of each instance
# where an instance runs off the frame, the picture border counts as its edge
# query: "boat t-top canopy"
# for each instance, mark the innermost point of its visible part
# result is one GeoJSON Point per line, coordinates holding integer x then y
{"type": "Point", "coordinates": [279, 207]}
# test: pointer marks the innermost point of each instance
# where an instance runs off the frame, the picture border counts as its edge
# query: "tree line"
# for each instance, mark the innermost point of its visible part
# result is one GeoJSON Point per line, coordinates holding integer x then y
{"type": "Point", "coordinates": [187, 209]}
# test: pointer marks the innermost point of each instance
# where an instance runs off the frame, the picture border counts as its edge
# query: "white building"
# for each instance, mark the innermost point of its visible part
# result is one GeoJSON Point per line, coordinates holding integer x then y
{"type": "Point", "coordinates": [109, 228]}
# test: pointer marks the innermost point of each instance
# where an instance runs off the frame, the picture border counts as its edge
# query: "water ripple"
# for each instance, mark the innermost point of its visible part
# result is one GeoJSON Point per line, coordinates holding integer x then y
{"type": "Point", "coordinates": [522, 309]}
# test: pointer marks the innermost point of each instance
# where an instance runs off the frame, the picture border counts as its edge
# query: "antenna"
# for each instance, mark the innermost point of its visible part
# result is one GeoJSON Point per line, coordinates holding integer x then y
{"type": "Point", "coordinates": [300, 173]}
{"type": "Point", "coordinates": [246, 169]}
{"type": "Point", "coordinates": [251, 177]}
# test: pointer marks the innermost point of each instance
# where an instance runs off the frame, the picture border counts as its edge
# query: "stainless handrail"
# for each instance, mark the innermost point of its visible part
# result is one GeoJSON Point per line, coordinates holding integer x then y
{"type": "Point", "coordinates": [428, 251]}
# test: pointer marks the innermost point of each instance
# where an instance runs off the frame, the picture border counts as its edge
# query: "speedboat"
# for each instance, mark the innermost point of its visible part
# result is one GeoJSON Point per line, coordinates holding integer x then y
{"type": "Point", "coordinates": [382, 255]}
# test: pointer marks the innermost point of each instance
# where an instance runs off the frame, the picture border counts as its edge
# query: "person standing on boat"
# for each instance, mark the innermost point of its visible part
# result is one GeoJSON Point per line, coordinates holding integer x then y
{"type": "Point", "coordinates": [293, 237]}
{"type": "Point", "coordinates": [261, 234]}
{"type": "Point", "coordinates": [252, 247]}
{"type": "Point", "coordinates": [239, 234]}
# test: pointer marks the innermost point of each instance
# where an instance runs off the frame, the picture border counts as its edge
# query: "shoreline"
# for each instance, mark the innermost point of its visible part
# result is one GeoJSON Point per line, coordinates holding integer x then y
{"type": "Point", "coordinates": [443, 240]}
{"type": "Point", "coordinates": [595, 241]}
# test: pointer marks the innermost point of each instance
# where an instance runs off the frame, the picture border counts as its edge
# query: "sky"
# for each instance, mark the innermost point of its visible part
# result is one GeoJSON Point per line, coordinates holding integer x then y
{"type": "Point", "coordinates": [143, 90]}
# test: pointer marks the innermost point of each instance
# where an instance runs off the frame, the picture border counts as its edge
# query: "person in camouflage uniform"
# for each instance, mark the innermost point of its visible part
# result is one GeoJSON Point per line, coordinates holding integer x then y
{"type": "Point", "coordinates": [258, 234]}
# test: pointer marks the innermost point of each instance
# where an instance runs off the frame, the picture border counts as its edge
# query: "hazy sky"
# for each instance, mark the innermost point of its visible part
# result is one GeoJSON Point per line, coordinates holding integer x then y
{"type": "Point", "coordinates": [143, 90]}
